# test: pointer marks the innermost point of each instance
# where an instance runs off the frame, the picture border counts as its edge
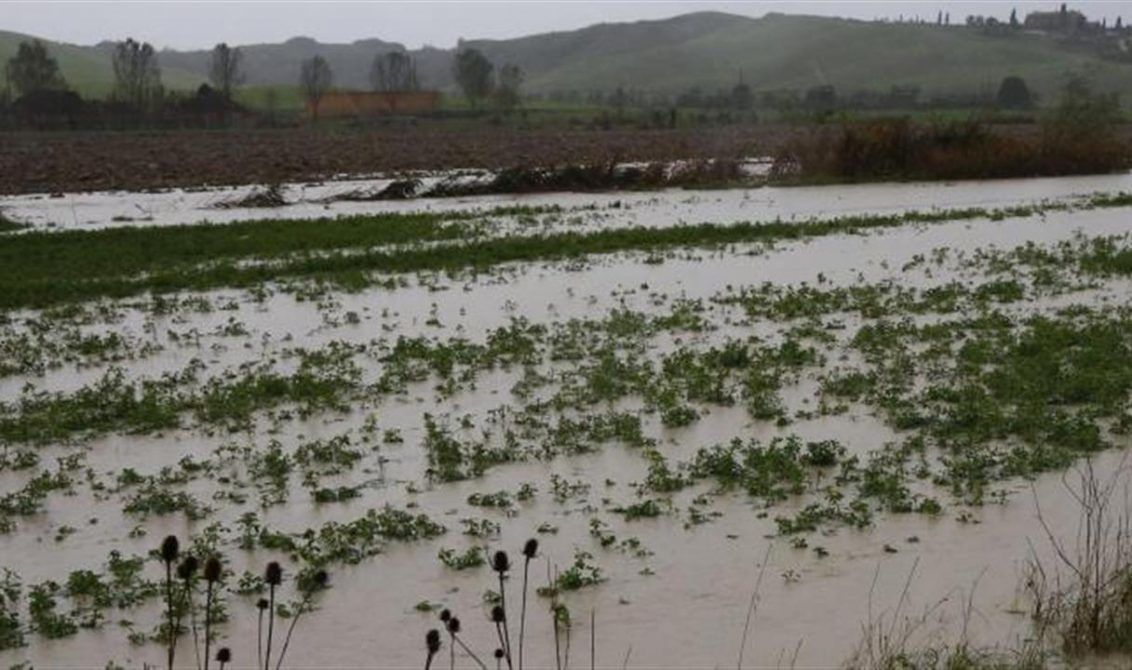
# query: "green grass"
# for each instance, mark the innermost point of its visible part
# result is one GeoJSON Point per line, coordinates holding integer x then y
{"type": "Point", "coordinates": [44, 268]}
{"type": "Point", "coordinates": [86, 258]}
{"type": "Point", "coordinates": [7, 225]}
{"type": "Point", "coordinates": [288, 99]}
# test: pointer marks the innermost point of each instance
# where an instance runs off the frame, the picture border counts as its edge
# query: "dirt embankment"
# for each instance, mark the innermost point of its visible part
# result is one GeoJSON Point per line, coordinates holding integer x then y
{"type": "Point", "coordinates": [52, 162]}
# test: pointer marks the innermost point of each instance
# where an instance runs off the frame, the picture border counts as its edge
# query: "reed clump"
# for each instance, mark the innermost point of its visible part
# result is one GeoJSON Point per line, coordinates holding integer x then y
{"type": "Point", "coordinates": [1084, 595]}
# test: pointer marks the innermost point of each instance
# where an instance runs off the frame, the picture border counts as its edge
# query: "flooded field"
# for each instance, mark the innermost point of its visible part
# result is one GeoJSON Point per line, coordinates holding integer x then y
{"type": "Point", "coordinates": [792, 416]}
{"type": "Point", "coordinates": [641, 208]}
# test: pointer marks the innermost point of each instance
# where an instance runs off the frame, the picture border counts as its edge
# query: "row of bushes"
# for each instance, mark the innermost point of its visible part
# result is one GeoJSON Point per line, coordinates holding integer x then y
{"type": "Point", "coordinates": [1081, 135]}
{"type": "Point", "coordinates": [63, 109]}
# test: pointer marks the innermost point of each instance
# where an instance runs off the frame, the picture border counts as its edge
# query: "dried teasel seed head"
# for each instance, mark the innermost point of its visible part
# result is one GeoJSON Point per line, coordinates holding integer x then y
{"type": "Point", "coordinates": [188, 567]}
{"type": "Point", "coordinates": [500, 562]}
{"type": "Point", "coordinates": [212, 569]}
{"type": "Point", "coordinates": [262, 604]}
{"type": "Point", "coordinates": [320, 579]}
{"type": "Point", "coordinates": [170, 548]}
{"type": "Point", "coordinates": [498, 615]}
{"type": "Point", "coordinates": [498, 653]}
{"type": "Point", "coordinates": [273, 575]}
{"type": "Point", "coordinates": [530, 549]}
{"type": "Point", "coordinates": [432, 641]}
{"type": "Point", "coordinates": [224, 655]}
{"type": "Point", "coordinates": [445, 615]}
{"type": "Point", "coordinates": [453, 625]}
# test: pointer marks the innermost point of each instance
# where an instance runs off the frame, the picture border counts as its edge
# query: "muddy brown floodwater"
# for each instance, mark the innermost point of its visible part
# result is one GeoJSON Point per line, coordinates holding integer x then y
{"type": "Point", "coordinates": [680, 604]}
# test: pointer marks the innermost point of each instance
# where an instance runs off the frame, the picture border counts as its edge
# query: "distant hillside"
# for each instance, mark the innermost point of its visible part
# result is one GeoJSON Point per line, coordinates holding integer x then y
{"type": "Point", "coordinates": [705, 49]}
{"type": "Point", "coordinates": [87, 68]}
{"type": "Point", "coordinates": [280, 63]}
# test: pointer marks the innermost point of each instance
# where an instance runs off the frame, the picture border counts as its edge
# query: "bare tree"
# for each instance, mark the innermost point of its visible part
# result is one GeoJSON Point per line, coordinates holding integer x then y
{"type": "Point", "coordinates": [137, 77]}
{"type": "Point", "coordinates": [224, 69]}
{"type": "Point", "coordinates": [315, 80]}
{"type": "Point", "coordinates": [473, 72]}
{"type": "Point", "coordinates": [510, 81]}
{"type": "Point", "coordinates": [33, 69]}
{"type": "Point", "coordinates": [394, 71]}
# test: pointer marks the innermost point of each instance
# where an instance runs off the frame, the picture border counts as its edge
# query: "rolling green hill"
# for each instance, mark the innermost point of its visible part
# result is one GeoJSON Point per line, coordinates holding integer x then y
{"type": "Point", "coordinates": [87, 69]}
{"type": "Point", "coordinates": [796, 52]}
{"type": "Point", "coordinates": [704, 49]}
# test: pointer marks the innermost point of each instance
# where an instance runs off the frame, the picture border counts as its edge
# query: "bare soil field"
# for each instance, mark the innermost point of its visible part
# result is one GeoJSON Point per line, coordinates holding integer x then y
{"type": "Point", "coordinates": [50, 162]}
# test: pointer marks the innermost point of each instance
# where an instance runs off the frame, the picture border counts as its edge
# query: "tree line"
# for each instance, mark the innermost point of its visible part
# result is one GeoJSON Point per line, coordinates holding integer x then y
{"type": "Point", "coordinates": [396, 72]}
{"type": "Point", "coordinates": [36, 86]}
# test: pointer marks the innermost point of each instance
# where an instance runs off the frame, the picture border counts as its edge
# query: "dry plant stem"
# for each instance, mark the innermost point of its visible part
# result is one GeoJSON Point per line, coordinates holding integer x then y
{"type": "Point", "coordinates": [259, 640]}
{"type": "Point", "coordinates": [169, 610]}
{"type": "Point", "coordinates": [270, 626]}
{"type": "Point", "coordinates": [753, 606]}
{"type": "Point", "coordinates": [207, 623]}
{"type": "Point", "coordinates": [523, 611]}
{"type": "Point", "coordinates": [554, 616]}
{"type": "Point", "coordinates": [506, 639]}
{"type": "Point", "coordinates": [193, 622]}
{"type": "Point", "coordinates": [469, 652]}
{"type": "Point", "coordinates": [566, 651]}
{"type": "Point", "coordinates": [593, 641]}
{"type": "Point", "coordinates": [794, 656]}
{"type": "Point", "coordinates": [1098, 563]}
{"type": "Point", "coordinates": [291, 629]}
{"type": "Point", "coordinates": [883, 646]}
{"type": "Point", "coordinates": [428, 661]}
{"type": "Point", "coordinates": [186, 601]}
{"type": "Point", "coordinates": [499, 634]}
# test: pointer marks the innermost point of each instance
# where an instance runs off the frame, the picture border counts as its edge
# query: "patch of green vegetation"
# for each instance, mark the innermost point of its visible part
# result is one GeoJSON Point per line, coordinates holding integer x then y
{"type": "Point", "coordinates": [39, 269]}
{"type": "Point", "coordinates": [473, 557]}
{"type": "Point", "coordinates": [8, 225]}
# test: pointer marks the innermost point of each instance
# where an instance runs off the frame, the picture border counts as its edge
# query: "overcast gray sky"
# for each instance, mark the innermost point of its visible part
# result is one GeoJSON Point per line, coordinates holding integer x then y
{"type": "Point", "coordinates": [184, 25]}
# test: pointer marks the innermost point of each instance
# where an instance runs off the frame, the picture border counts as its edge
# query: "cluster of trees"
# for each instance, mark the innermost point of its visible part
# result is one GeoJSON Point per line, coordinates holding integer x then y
{"type": "Point", "coordinates": [1012, 94]}
{"type": "Point", "coordinates": [396, 72]}
{"type": "Point", "coordinates": [39, 91]}
{"type": "Point", "coordinates": [475, 75]}
{"type": "Point", "coordinates": [390, 72]}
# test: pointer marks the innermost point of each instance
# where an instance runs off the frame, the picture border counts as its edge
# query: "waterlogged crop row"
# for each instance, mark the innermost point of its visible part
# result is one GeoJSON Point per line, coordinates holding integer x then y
{"type": "Point", "coordinates": [42, 269]}
{"type": "Point", "coordinates": [975, 379]}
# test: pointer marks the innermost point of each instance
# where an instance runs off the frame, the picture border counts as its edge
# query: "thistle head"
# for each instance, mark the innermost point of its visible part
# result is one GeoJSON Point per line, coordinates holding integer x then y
{"type": "Point", "coordinates": [432, 641]}
{"type": "Point", "coordinates": [212, 570]}
{"type": "Point", "coordinates": [188, 567]}
{"type": "Point", "coordinates": [530, 549]}
{"type": "Point", "coordinates": [170, 548]}
{"type": "Point", "coordinates": [500, 562]}
{"type": "Point", "coordinates": [223, 655]}
{"type": "Point", "coordinates": [498, 615]}
{"type": "Point", "coordinates": [273, 575]}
